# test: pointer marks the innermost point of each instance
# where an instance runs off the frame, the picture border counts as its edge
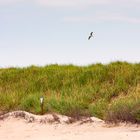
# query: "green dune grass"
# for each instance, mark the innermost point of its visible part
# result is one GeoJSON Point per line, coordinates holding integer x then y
{"type": "Point", "coordinates": [110, 92]}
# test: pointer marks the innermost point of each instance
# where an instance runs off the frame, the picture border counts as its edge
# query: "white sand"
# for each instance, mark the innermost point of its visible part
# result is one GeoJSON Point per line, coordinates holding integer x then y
{"type": "Point", "coordinates": [18, 129]}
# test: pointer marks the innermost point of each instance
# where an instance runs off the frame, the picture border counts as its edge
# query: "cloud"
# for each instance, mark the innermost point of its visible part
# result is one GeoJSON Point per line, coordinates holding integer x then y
{"type": "Point", "coordinates": [7, 2]}
{"type": "Point", "coordinates": [122, 19]}
{"type": "Point", "coordinates": [84, 3]}
{"type": "Point", "coordinates": [97, 17]}
{"type": "Point", "coordinates": [72, 3]}
{"type": "Point", "coordinates": [56, 3]}
{"type": "Point", "coordinates": [103, 18]}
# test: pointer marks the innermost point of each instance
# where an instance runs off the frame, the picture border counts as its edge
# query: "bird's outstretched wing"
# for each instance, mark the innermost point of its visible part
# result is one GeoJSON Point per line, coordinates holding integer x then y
{"type": "Point", "coordinates": [89, 37]}
{"type": "Point", "coordinates": [91, 34]}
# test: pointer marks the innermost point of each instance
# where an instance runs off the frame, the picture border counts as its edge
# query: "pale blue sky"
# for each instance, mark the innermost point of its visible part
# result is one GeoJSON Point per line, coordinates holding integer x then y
{"type": "Point", "coordinates": [41, 32]}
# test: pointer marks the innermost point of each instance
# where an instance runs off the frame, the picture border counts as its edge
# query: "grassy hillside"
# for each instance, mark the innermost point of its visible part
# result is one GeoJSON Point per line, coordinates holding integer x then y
{"type": "Point", "coordinates": [110, 92]}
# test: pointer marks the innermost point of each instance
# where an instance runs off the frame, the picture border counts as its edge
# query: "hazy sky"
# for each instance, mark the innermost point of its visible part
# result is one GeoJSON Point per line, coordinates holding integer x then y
{"type": "Point", "coordinates": [40, 32]}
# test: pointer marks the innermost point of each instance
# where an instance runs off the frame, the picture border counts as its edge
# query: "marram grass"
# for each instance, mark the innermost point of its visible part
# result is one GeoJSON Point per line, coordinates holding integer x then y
{"type": "Point", "coordinates": [110, 92]}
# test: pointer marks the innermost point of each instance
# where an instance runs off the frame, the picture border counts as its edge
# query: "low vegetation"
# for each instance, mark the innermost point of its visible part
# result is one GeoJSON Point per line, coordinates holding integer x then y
{"type": "Point", "coordinates": [110, 92]}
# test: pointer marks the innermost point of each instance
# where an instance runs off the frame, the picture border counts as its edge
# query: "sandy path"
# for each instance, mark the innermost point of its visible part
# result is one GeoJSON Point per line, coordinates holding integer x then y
{"type": "Point", "coordinates": [19, 129]}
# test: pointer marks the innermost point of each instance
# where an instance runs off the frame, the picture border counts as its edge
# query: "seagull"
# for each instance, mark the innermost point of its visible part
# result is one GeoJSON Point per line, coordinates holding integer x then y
{"type": "Point", "coordinates": [91, 35]}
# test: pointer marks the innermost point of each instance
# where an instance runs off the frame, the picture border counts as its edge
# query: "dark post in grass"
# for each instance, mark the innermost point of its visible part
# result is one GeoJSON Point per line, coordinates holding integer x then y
{"type": "Point", "coordinates": [42, 104]}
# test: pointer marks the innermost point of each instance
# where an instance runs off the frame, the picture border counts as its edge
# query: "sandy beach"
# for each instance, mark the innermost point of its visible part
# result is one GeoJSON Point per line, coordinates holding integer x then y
{"type": "Point", "coordinates": [19, 128]}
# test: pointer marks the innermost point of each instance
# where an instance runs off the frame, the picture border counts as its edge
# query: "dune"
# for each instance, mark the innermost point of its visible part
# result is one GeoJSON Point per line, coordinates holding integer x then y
{"type": "Point", "coordinates": [26, 126]}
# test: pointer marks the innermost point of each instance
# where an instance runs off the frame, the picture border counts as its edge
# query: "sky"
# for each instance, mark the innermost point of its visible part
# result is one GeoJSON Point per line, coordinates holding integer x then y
{"type": "Point", "coordinates": [43, 32]}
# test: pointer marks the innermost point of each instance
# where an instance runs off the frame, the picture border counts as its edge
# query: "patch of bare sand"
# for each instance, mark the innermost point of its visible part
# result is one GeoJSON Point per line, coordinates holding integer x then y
{"type": "Point", "coordinates": [18, 128]}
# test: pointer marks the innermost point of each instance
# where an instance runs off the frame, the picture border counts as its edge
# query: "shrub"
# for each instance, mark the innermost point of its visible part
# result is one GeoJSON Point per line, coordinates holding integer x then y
{"type": "Point", "coordinates": [126, 108]}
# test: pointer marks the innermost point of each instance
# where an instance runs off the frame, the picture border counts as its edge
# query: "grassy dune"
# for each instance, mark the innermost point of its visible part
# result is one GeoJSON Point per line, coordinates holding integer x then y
{"type": "Point", "coordinates": [110, 92]}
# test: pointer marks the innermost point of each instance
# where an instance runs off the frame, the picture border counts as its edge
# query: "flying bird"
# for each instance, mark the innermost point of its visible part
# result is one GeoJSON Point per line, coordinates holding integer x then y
{"type": "Point", "coordinates": [91, 35]}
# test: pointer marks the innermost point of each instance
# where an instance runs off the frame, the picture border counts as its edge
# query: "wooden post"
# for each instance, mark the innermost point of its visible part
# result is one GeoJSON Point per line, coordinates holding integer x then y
{"type": "Point", "coordinates": [41, 105]}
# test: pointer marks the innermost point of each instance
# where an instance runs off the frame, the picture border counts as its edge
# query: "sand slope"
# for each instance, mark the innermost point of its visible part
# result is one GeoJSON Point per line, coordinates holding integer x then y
{"type": "Point", "coordinates": [17, 128]}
